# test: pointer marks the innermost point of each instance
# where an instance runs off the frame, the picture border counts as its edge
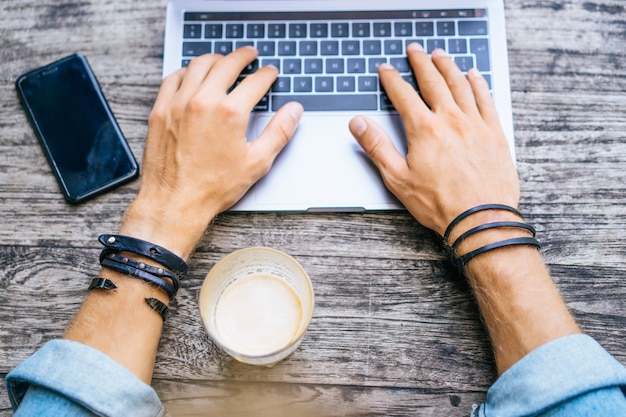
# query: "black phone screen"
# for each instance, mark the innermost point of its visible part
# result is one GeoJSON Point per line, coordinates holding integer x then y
{"type": "Point", "coordinates": [76, 128]}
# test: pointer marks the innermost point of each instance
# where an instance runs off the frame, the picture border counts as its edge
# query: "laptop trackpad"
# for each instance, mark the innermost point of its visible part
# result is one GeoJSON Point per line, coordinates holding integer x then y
{"type": "Point", "coordinates": [324, 167]}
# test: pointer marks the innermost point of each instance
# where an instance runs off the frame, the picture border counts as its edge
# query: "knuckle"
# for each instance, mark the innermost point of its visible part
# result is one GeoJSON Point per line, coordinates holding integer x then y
{"type": "Point", "coordinates": [229, 109]}
{"type": "Point", "coordinates": [197, 105]}
{"type": "Point", "coordinates": [157, 117]}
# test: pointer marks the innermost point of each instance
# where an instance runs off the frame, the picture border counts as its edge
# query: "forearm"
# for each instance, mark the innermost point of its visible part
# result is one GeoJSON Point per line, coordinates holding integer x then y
{"type": "Point", "coordinates": [521, 307]}
{"type": "Point", "coordinates": [119, 323]}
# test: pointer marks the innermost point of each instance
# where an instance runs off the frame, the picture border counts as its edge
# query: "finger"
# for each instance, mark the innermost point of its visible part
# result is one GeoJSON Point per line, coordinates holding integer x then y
{"type": "Point", "coordinates": [254, 86]}
{"type": "Point", "coordinates": [196, 73]}
{"type": "Point", "coordinates": [379, 147]}
{"type": "Point", "coordinates": [405, 99]}
{"type": "Point", "coordinates": [456, 81]}
{"type": "Point", "coordinates": [431, 84]}
{"type": "Point", "coordinates": [274, 137]}
{"type": "Point", "coordinates": [167, 91]}
{"type": "Point", "coordinates": [225, 71]}
{"type": "Point", "coordinates": [484, 101]}
{"type": "Point", "coordinates": [154, 149]}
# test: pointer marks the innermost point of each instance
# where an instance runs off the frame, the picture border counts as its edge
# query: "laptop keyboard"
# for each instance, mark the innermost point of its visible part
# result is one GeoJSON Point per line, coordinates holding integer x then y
{"type": "Point", "coordinates": [328, 60]}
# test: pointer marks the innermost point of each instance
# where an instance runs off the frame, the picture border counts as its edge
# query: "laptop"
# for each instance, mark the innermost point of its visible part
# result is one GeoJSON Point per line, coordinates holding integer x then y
{"type": "Point", "coordinates": [327, 52]}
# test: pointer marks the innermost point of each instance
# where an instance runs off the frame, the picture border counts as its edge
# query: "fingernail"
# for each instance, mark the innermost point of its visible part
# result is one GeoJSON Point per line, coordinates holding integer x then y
{"type": "Point", "coordinates": [358, 126]}
{"type": "Point", "coordinates": [385, 66]}
{"type": "Point", "coordinates": [415, 46]}
{"type": "Point", "coordinates": [473, 72]}
{"type": "Point", "coordinates": [439, 52]}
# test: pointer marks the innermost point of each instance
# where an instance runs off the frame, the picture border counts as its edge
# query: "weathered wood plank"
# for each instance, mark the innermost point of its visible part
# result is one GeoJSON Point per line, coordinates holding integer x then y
{"type": "Point", "coordinates": [394, 333]}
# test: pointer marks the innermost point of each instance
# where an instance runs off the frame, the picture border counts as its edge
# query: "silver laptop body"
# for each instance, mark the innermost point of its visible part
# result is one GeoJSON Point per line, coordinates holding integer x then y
{"type": "Point", "coordinates": [323, 168]}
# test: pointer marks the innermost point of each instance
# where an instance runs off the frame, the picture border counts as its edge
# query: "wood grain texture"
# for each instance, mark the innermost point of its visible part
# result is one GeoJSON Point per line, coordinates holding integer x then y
{"type": "Point", "coordinates": [395, 332]}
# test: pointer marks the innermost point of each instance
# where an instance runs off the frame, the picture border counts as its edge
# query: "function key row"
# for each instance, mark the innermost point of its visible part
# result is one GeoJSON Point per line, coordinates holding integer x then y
{"type": "Point", "coordinates": [334, 30]}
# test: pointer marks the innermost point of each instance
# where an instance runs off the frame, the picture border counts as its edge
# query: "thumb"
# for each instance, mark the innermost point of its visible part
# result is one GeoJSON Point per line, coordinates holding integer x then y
{"type": "Point", "coordinates": [378, 146]}
{"type": "Point", "coordinates": [276, 135]}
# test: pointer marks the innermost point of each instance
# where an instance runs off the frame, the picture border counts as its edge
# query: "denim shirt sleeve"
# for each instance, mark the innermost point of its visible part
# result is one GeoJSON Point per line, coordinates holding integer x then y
{"type": "Point", "coordinates": [78, 375]}
{"type": "Point", "coordinates": [566, 377]}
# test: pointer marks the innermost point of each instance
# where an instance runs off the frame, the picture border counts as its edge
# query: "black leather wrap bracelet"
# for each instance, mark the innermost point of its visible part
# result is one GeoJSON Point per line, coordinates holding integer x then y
{"type": "Point", "coordinates": [473, 210]}
{"type": "Point", "coordinates": [157, 253]}
{"type": "Point", "coordinates": [518, 241]}
{"type": "Point", "coordinates": [461, 261]}
{"type": "Point", "coordinates": [142, 266]}
{"type": "Point", "coordinates": [138, 273]}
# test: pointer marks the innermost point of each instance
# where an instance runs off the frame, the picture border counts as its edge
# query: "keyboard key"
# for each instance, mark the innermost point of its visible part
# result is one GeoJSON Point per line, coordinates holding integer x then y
{"type": "Point", "coordinates": [263, 104]}
{"type": "Point", "coordinates": [393, 47]}
{"type": "Point", "coordinates": [372, 48]}
{"type": "Point", "coordinates": [192, 31]}
{"type": "Point", "coordinates": [303, 84]}
{"type": "Point", "coordinates": [374, 63]}
{"type": "Point", "coordinates": [292, 66]}
{"type": "Point", "coordinates": [424, 29]}
{"type": "Point", "coordinates": [464, 62]}
{"type": "Point", "coordinates": [286, 48]}
{"type": "Point", "coordinates": [356, 65]}
{"type": "Point", "coordinates": [234, 31]}
{"type": "Point", "coordinates": [251, 67]}
{"type": "Point", "coordinates": [324, 84]}
{"type": "Point", "coordinates": [282, 85]}
{"type": "Point", "coordinates": [255, 30]}
{"type": "Point", "coordinates": [473, 27]}
{"type": "Point", "coordinates": [401, 64]}
{"type": "Point", "coordinates": [368, 83]}
{"type": "Point", "coordinates": [308, 48]}
{"type": "Point", "coordinates": [276, 30]}
{"type": "Point", "coordinates": [297, 30]}
{"type": "Point", "coordinates": [185, 63]}
{"type": "Point", "coordinates": [346, 84]}
{"type": "Point", "coordinates": [267, 48]}
{"type": "Point", "coordinates": [329, 48]}
{"type": "Point", "coordinates": [213, 31]}
{"type": "Point", "coordinates": [382, 29]}
{"type": "Point", "coordinates": [410, 41]}
{"type": "Point", "coordinates": [487, 78]}
{"type": "Point", "coordinates": [403, 29]}
{"type": "Point", "coordinates": [361, 29]}
{"type": "Point", "coordinates": [339, 30]}
{"type": "Point", "coordinates": [457, 46]}
{"type": "Point", "coordinates": [385, 102]}
{"type": "Point", "coordinates": [329, 102]}
{"type": "Point", "coordinates": [313, 66]}
{"type": "Point", "coordinates": [319, 30]}
{"type": "Point", "coordinates": [432, 44]}
{"type": "Point", "coordinates": [480, 48]}
{"type": "Point", "coordinates": [196, 48]}
{"type": "Point", "coordinates": [334, 66]}
{"type": "Point", "coordinates": [350, 48]}
{"type": "Point", "coordinates": [223, 48]}
{"type": "Point", "coordinates": [446, 28]}
{"type": "Point", "coordinates": [273, 62]}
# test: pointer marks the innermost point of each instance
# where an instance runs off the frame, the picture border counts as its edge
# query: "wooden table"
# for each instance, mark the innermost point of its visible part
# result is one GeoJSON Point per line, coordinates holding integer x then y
{"type": "Point", "coordinates": [395, 331]}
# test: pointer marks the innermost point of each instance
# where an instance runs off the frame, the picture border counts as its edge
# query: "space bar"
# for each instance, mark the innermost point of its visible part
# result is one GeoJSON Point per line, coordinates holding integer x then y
{"type": "Point", "coordinates": [329, 102]}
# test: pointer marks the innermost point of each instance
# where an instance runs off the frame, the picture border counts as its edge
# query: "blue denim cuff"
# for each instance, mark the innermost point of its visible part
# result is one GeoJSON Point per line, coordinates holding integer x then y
{"type": "Point", "coordinates": [551, 374]}
{"type": "Point", "coordinates": [86, 377]}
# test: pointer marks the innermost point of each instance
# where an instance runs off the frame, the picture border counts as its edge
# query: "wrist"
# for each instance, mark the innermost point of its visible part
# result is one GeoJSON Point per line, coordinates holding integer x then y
{"type": "Point", "coordinates": [171, 227]}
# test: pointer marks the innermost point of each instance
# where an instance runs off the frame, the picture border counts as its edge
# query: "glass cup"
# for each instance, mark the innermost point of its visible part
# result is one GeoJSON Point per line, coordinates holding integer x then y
{"type": "Point", "coordinates": [256, 304]}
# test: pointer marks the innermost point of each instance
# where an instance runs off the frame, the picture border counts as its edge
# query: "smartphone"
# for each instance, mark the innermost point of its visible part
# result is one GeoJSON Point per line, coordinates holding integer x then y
{"type": "Point", "coordinates": [79, 135]}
